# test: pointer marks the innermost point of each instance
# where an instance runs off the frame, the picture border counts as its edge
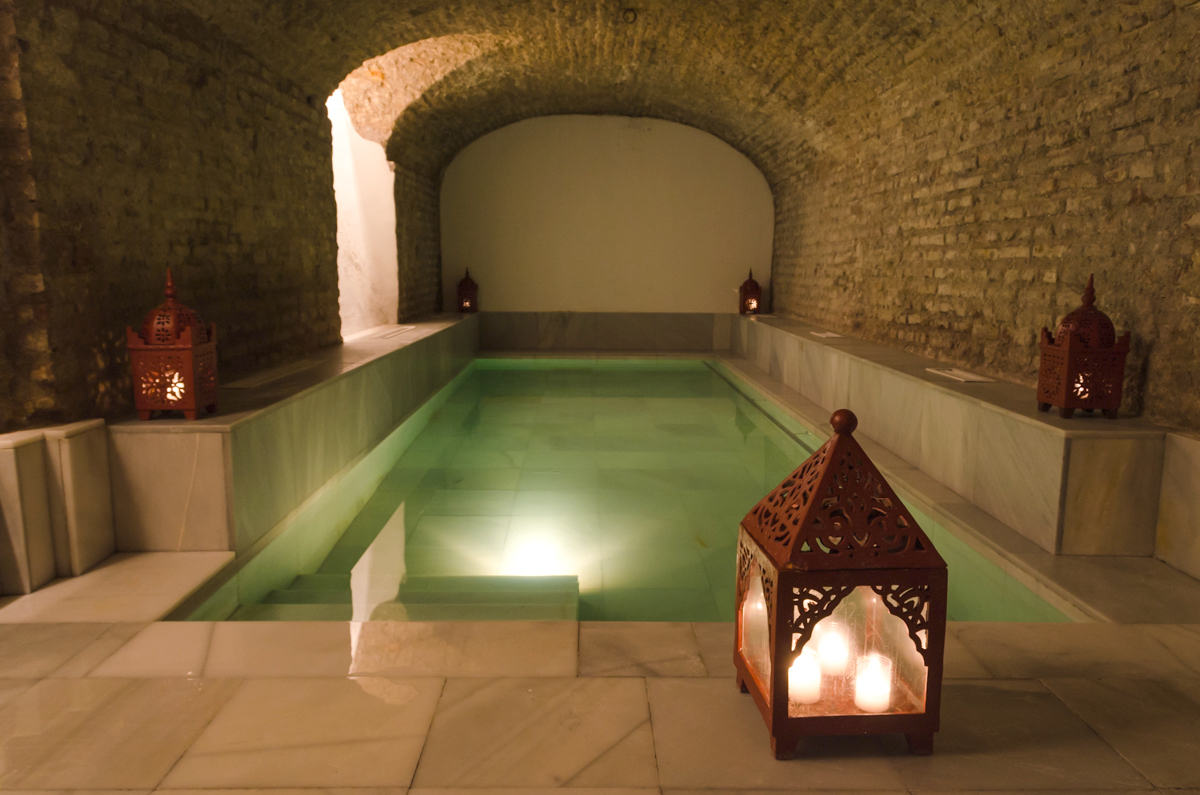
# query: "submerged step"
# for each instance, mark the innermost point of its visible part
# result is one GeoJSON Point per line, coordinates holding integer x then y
{"type": "Point", "coordinates": [321, 582]}
{"type": "Point", "coordinates": [496, 583]}
{"type": "Point", "coordinates": [270, 612]}
{"type": "Point", "coordinates": [303, 597]}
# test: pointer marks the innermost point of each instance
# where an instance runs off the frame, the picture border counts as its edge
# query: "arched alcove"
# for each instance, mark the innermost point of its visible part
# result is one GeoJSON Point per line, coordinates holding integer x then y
{"type": "Point", "coordinates": [604, 214]}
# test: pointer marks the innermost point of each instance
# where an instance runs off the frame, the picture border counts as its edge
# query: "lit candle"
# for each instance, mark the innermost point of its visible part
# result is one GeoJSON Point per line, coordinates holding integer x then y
{"type": "Point", "coordinates": [752, 304]}
{"type": "Point", "coordinates": [873, 685]}
{"type": "Point", "coordinates": [833, 650]}
{"type": "Point", "coordinates": [804, 678]}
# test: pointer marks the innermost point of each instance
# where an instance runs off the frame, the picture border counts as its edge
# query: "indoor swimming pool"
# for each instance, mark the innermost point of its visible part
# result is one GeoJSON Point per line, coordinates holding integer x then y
{"type": "Point", "coordinates": [591, 489]}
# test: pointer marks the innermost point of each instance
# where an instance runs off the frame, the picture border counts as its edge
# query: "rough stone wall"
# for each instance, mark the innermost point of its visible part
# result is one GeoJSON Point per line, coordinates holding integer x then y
{"type": "Point", "coordinates": [959, 203]}
{"type": "Point", "coordinates": [156, 143]}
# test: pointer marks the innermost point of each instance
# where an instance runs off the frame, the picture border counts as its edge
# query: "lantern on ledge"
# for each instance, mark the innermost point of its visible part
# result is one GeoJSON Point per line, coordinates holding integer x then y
{"type": "Point", "coordinates": [468, 294]}
{"type": "Point", "coordinates": [1083, 364]}
{"type": "Point", "coordinates": [174, 360]}
{"type": "Point", "coordinates": [841, 604]}
{"type": "Point", "coordinates": [750, 296]}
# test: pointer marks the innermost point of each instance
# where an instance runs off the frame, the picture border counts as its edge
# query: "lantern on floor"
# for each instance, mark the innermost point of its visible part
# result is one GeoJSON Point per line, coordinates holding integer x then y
{"type": "Point", "coordinates": [174, 360]}
{"type": "Point", "coordinates": [841, 604]}
{"type": "Point", "coordinates": [468, 294]}
{"type": "Point", "coordinates": [1083, 364]}
{"type": "Point", "coordinates": [750, 296]}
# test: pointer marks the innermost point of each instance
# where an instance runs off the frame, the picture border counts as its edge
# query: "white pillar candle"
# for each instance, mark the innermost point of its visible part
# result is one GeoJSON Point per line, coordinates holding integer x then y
{"type": "Point", "coordinates": [804, 678]}
{"type": "Point", "coordinates": [873, 685]}
{"type": "Point", "coordinates": [834, 650]}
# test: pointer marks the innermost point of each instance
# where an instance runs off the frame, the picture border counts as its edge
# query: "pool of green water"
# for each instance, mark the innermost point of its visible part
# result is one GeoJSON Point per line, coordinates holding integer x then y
{"type": "Point", "coordinates": [631, 476]}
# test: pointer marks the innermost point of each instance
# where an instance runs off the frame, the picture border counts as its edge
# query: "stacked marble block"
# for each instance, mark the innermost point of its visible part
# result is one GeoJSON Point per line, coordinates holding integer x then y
{"type": "Point", "coordinates": [55, 504]}
{"type": "Point", "coordinates": [1178, 540]}
{"type": "Point", "coordinates": [224, 482]}
{"type": "Point", "coordinates": [1075, 487]}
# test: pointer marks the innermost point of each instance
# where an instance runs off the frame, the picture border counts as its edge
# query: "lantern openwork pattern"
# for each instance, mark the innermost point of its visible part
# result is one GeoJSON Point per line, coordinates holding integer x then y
{"type": "Point", "coordinates": [1083, 364]}
{"type": "Point", "coordinates": [468, 294]}
{"type": "Point", "coordinates": [841, 619]}
{"type": "Point", "coordinates": [750, 297]}
{"type": "Point", "coordinates": [174, 360]}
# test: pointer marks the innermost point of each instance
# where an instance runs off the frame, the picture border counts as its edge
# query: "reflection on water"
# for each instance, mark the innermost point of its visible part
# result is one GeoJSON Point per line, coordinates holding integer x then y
{"type": "Point", "coordinates": [377, 576]}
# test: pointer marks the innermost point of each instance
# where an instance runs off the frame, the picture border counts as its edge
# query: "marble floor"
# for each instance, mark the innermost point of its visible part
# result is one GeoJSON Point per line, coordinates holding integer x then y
{"type": "Point", "coordinates": [606, 707]}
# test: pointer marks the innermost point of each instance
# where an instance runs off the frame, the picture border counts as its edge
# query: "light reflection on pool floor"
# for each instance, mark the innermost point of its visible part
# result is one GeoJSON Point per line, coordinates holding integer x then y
{"type": "Point", "coordinates": [632, 479]}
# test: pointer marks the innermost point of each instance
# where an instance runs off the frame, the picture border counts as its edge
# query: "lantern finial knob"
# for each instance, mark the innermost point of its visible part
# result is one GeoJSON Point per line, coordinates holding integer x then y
{"type": "Point", "coordinates": [169, 290]}
{"type": "Point", "coordinates": [844, 422]}
{"type": "Point", "coordinates": [1089, 293]}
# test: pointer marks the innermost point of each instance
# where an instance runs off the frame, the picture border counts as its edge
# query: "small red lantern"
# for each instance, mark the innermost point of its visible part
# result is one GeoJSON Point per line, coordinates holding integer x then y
{"type": "Point", "coordinates": [174, 360]}
{"type": "Point", "coordinates": [468, 294]}
{"type": "Point", "coordinates": [1083, 364]}
{"type": "Point", "coordinates": [841, 619]}
{"type": "Point", "coordinates": [750, 296]}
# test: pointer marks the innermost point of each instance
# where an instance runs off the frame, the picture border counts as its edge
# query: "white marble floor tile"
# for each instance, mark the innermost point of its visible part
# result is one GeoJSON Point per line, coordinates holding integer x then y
{"type": "Point", "coordinates": [166, 648]}
{"type": "Point", "coordinates": [716, 647]}
{"type": "Point", "coordinates": [312, 732]}
{"type": "Point", "coordinates": [960, 663]}
{"type": "Point", "coordinates": [531, 791]}
{"type": "Point", "coordinates": [1032, 651]}
{"type": "Point", "coordinates": [96, 652]}
{"type": "Point", "coordinates": [1013, 735]}
{"type": "Point", "coordinates": [638, 648]}
{"type": "Point", "coordinates": [103, 733]}
{"type": "Point", "coordinates": [1155, 725]}
{"type": "Point", "coordinates": [11, 688]}
{"type": "Point", "coordinates": [127, 587]}
{"type": "Point", "coordinates": [283, 648]}
{"type": "Point", "coordinates": [708, 734]}
{"type": "Point", "coordinates": [674, 791]}
{"type": "Point", "coordinates": [78, 792]}
{"type": "Point", "coordinates": [1181, 640]}
{"type": "Point", "coordinates": [532, 733]}
{"type": "Point", "coordinates": [35, 650]}
{"type": "Point", "coordinates": [466, 648]}
{"type": "Point", "coordinates": [285, 791]}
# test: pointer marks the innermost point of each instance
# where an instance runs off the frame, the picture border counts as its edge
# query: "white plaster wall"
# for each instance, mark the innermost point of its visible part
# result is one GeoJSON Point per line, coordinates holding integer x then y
{"type": "Point", "coordinates": [604, 214]}
{"type": "Point", "coordinates": [368, 281]}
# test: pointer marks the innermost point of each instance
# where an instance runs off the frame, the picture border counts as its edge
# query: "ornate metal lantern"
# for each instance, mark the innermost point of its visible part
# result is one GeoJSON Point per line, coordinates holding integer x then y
{"type": "Point", "coordinates": [841, 619]}
{"type": "Point", "coordinates": [174, 360]}
{"type": "Point", "coordinates": [750, 296]}
{"type": "Point", "coordinates": [1083, 364]}
{"type": "Point", "coordinates": [468, 294]}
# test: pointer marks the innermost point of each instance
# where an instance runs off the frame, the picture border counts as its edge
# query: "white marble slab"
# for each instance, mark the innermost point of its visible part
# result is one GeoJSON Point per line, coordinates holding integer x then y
{"type": "Point", "coordinates": [1178, 532]}
{"type": "Point", "coordinates": [80, 493]}
{"type": "Point", "coordinates": [637, 648]}
{"type": "Point", "coordinates": [707, 734]}
{"type": "Point", "coordinates": [26, 537]}
{"type": "Point", "coordinates": [127, 587]}
{"type": "Point", "coordinates": [103, 733]}
{"type": "Point", "coordinates": [35, 650]}
{"type": "Point", "coordinates": [312, 733]}
{"type": "Point", "coordinates": [534, 733]}
{"type": "Point", "coordinates": [1013, 736]}
{"type": "Point", "coordinates": [167, 648]}
{"type": "Point", "coordinates": [1112, 490]}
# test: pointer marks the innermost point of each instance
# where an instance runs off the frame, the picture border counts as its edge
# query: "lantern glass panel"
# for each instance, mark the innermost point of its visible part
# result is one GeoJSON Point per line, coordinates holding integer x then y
{"type": "Point", "coordinates": [859, 660]}
{"type": "Point", "coordinates": [756, 635]}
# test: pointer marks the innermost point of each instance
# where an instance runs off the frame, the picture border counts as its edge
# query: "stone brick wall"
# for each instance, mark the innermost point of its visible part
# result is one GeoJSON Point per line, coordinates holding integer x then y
{"type": "Point", "coordinates": [959, 203]}
{"type": "Point", "coordinates": [156, 143]}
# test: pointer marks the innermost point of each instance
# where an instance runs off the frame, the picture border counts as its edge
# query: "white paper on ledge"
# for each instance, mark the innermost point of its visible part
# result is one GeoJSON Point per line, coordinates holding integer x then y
{"type": "Point", "coordinates": [825, 334]}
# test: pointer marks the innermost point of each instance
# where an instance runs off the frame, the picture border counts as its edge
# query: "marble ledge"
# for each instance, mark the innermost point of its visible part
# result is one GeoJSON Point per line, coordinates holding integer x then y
{"type": "Point", "coordinates": [998, 395]}
{"type": "Point", "coordinates": [238, 405]}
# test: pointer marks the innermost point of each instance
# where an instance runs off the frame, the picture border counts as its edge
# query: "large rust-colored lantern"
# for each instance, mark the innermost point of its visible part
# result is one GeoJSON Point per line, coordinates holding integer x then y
{"type": "Point", "coordinates": [174, 360]}
{"type": "Point", "coordinates": [1083, 364]}
{"type": "Point", "coordinates": [750, 297]}
{"type": "Point", "coordinates": [468, 294]}
{"type": "Point", "coordinates": [841, 619]}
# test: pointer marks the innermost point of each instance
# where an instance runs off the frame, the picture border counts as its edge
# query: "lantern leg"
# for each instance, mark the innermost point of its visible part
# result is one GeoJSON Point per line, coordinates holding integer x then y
{"type": "Point", "coordinates": [920, 743]}
{"type": "Point", "coordinates": [144, 415]}
{"type": "Point", "coordinates": [783, 749]}
{"type": "Point", "coordinates": [189, 414]}
{"type": "Point", "coordinates": [742, 685]}
{"type": "Point", "coordinates": [1066, 413]}
{"type": "Point", "coordinates": [1043, 406]}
